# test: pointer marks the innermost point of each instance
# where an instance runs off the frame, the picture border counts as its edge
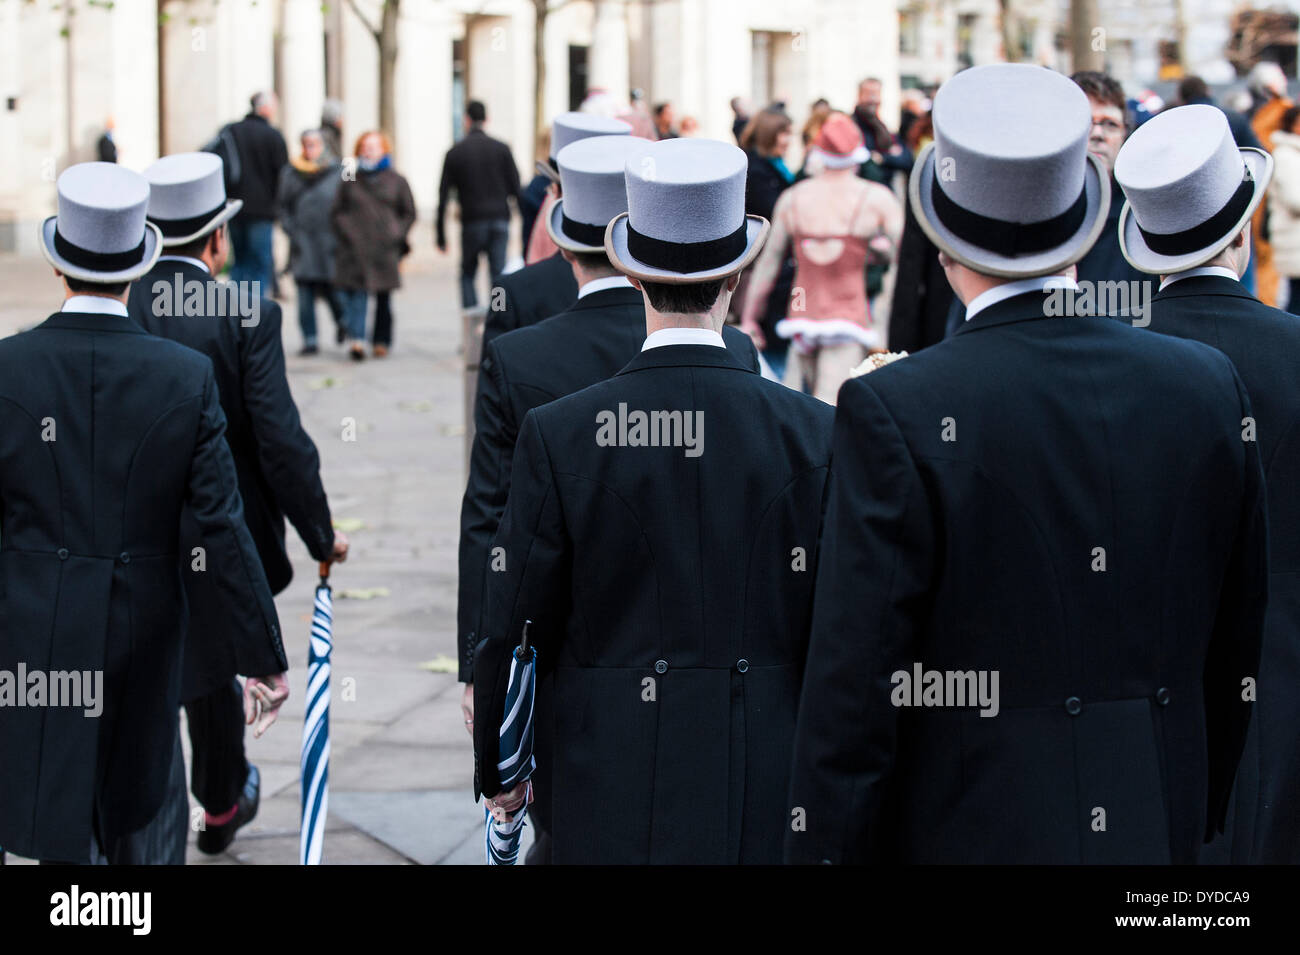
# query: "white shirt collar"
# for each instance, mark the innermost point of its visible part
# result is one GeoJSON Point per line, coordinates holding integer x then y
{"type": "Point", "coordinates": [1000, 293]}
{"type": "Point", "coordinates": [197, 263]}
{"type": "Point", "coordinates": [96, 304]}
{"type": "Point", "coordinates": [599, 285]}
{"type": "Point", "coordinates": [1219, 270]}
{"type": "Point", "coordinates": [683, 336]}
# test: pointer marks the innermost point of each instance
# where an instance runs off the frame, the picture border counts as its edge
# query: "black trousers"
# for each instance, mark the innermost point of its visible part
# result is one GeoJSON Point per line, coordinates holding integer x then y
{"type": "Point", "coordinates": [383, 330]}
{"type": "Point", "coordinates": [218, 767]}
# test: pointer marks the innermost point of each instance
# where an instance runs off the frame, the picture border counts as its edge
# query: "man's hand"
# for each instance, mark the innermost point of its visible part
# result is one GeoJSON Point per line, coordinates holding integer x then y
{"type": "Point", "coordinates": [503, 806]}
{"type": "Point", "coordinates": [467, 708]}
{"type": "Point", "coordinates": [340, 553]}
{"type": "Point", "coordinates": [263, 697]}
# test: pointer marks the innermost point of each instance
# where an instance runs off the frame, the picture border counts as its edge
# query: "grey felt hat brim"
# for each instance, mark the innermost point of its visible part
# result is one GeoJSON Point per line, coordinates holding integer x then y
{"type": "Point", "coordinates": [152, 250]}
{"type": "Point", "coordinates": [756, 230]}
{"type": "Point", "coordinates": [555, 229]}
{"type": "Point", "coordinates": [545, 169]}
{"type": "Point", "coordinates": [221, 218]}
{"type": "Point", "coordinates": [1097, 196]}
{"type": "Point", "coordinates": [1139, 255]}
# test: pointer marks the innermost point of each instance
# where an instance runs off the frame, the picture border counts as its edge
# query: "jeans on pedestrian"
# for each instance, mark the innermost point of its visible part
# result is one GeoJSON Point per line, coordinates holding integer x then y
{"type": "Point", "coordinates": [354, 302]}
{"type": "Point", "coordinates": [308, 293]}
{"type": "Point", "coordinates": [1293, 300]}
{"type": "Point", "coordinates": [383, 330]}
{"type": "Point", "coordinates": [476, 238]}
{"type": "Point", "coordinates": [250, 241]}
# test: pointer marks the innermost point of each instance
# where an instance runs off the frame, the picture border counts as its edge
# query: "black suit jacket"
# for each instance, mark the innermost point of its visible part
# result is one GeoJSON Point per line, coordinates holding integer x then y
{"type": "Point", "coordinates": [262, 154]}
{"type": "Point", "coordinates": [275, 460]}
{"type": "Point", "coordinates": [106, 435]}
{"type": "Point", "coordinates": [669, 596]}
{"type": "Point", "coordinates": [591, 341]}
{"type": "Point", "coordinates": [1264, 345]}
{"type": "Point", "coordinates": [529, 295]}
{"type": "Point", "coordinates": [975, 491]}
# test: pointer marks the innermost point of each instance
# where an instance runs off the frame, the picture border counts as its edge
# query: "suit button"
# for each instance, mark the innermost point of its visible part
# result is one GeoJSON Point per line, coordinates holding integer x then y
{"type": "Point", "coordinates": [661, 666]}
{"type": "Point", "coordinates": [1162, 696]}
{"type": "Point", "coordinates": [742, 665]}
{"type": "Point", "coordinates": [124, 557]}
{"type": "Point", "coordinates": [1074, 706]}
{"type": "Point", "coordinates": [63, 553]}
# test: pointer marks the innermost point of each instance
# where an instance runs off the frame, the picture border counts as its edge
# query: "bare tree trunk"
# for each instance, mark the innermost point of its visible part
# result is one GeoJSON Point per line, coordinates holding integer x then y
{"type": "Point", "coordinates": [387, 38]}
{"type": "Point", "coordinates": [540, 125]}
{"type": "Point", "coordinates": [1010, 49]}
{"type": "Point", "coordinates": [1083, 20]}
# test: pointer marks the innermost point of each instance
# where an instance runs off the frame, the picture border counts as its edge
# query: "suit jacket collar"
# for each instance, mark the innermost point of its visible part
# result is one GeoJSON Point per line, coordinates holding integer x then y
{"type": "Point", "coordinates": [91, 322]}
{"type": "Point", "coordinates": [676, 356]}
{"type": "Point", "coordinates": [607, 298]}
{"type": "Point", "coordinates": [1203, 285]}
{"type": "Point", "coordinates": [1019, 308]}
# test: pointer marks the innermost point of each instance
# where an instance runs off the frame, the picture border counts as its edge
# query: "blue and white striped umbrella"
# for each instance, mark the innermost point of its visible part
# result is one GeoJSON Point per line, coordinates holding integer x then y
{"type": "Point", "coordinates": [316, 726]}
{"type": "Point", "coordinates": [515, 750]}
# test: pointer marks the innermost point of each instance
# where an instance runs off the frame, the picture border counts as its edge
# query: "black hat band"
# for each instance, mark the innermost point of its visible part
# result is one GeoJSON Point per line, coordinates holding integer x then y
{"type": "Point", "coordinates": [1008, 238]}
{"type": "Point", "coordinates": [1208, 232]}
{"type": "Point", "coordinates": [179, 228]}
{"type": "Point", "coordinates": [686, 257]}
{"type": "Point", "coordinates": [97, 261]}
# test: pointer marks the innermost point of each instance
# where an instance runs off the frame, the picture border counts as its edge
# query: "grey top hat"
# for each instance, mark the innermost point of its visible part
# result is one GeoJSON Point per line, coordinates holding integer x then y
{"type": "Point", "coordinates": [1189, 189]}
{"type": "Point", "coordinates": [187, 196]}
{"type": "Point", "coordinates": [570, 127]}
{"type": "Point", "coordinates": [685, 219]}
{"type": "Point", "coordinates": [1007, 187]}
{"type": "Point", "coordinates": [595, 190]}
{"type": "Point", "coordinates": [100, 234]}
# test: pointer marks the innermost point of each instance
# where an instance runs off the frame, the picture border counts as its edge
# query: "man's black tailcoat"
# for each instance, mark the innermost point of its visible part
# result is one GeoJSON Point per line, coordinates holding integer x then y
{"type": "Point", "coordinates": [669, 596]}
{"type": "Point", "coordinates": [276, 462]}
{"type": "Point", "coordinates": [535, 292]}
{"type": "Point", "coordinates": [975, 491]}
{"type": "Point", "coordinates": [1264, 345]}
{"type": "Point", "coordinates": [106, 435]}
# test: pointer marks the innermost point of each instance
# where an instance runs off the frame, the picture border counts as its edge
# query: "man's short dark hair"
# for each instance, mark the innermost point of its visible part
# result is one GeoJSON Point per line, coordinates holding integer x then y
{"type": "Point", "coordinates": [1289, 119]}
{"type": "Point", "coordinates": [694, 298]}
{"type": "Point", "coordinates": [1101, 87]}
{"type": "Point", "coordinates": [191, 250]}
{"type": "Point", "coordinates": [592, 260]}
{"type": "Point", "coordinates": [94, 288]}
{"type": "Point", "coordinates": [476, 111]}
{"type": "Point", "coordinates": [660, 107]}
{"type": "Point", "coordinates": [1192, 88]}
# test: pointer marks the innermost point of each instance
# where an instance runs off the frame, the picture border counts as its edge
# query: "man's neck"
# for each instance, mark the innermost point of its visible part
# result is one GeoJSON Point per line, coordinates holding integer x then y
{"type": "Point", "coordinates": [657, 321]}
{"type": "Point", "coordinates": [68, 294]}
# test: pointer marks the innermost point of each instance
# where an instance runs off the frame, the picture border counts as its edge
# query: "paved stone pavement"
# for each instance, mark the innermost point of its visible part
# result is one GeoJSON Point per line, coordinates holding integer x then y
{"type": "Point", "coordinates": [401, 764]}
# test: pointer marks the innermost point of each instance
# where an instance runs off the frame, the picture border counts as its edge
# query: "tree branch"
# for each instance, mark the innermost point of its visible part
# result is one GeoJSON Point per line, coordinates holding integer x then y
{"type": "Point", "coordinates": [364, 22]}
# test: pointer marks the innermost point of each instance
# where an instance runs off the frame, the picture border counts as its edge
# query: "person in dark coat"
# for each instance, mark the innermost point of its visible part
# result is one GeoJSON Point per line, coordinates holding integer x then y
{"type": "Point", "coordinates": [481, 171]}
{"type": "Point", "coordinates": [305, 203]}
{"type": "Point", "coordinates": [668, 586]}
{"type": "Point", "coordinates": [589, 342]}
{"type": "Point", "coordinates": [373, 212]}
{"type": "Point", "coordinates": [1201, 298]}
{"type": "Point", "coordinates": [1043, 560]}
{"type": "Point", "coordinates": [766, 139]}
{"type": "Point", "coordinates": [923, 301]}
{"type": "Point", "coordinates": [105, 147]}
{"type": "Point", "coordinates": [108, 437]}
{"type": "Point", "coordinates": [525, 297]}
{"type": "Point", "coordinates": [1105, 261]}
{"type": "Point", "coordinates": [259, 153]}
{"type": "Point", "coordinates": [276, 462]}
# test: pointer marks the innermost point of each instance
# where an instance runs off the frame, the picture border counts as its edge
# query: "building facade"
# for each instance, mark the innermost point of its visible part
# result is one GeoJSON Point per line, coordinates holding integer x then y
{"type": "Point", "coordinates": [169, 73]}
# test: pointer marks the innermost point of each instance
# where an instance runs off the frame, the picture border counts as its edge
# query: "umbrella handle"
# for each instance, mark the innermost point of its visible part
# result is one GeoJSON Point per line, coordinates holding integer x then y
{"type": "Point", "coordinates": [324, 570]}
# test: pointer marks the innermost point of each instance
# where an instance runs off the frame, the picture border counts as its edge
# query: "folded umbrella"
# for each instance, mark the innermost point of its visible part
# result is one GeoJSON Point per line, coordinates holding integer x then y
{"type": "Point", "coordinates": [501, 839]}
{"type": "Point", "coordinates": [316, 726]}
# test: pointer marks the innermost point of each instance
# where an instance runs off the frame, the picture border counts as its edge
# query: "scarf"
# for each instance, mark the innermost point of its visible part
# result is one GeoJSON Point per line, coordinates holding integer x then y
{"type": "Point", "coordinates": [373, 165]}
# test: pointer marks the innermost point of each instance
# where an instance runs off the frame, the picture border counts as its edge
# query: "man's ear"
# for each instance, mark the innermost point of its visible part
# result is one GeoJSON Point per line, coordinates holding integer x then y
{"type": "Point", "coordinates": [733, 280]}
{"type": "Point", "coordinates": [636, 284]}
{"type": "Point", "coordinates": [568, 256]}
{"type": "Point", "coordinates": [1239, 239]}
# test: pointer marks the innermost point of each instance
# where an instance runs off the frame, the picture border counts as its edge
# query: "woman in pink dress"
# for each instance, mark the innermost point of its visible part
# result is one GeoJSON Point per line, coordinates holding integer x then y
{"type": "Point", "coordinates": [834, 221]}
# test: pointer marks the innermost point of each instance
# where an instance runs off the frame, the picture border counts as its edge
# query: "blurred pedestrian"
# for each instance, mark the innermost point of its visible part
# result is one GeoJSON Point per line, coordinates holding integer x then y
{"type": "Point", "coordinates": [305, 201]}
{"type": "Point", "coordinates": [1284, 204]}
{"type": "Point", "coordinates": [663, 118]}
{"type": "Point", "coordinates": [1267, 84]}
{"type": "Point", "coordinates": [766, 140]}
{"type": "Point", "coordinates": [331, 127]}
{"type": "Point", "coordinates": [1104, 261]}
{"type": "Point", "coordinates": [834, 220]}
{"type": "Point", "coordinates": [482, 173]}
{"type": "Point", "coordinates": [260, 154]}
{"type": "Point", "coordinates": [739, 117]}
{"type": "Point", "coordinates": [372, 214]}
{"type": "Point", "coordinates": [106, 147]}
